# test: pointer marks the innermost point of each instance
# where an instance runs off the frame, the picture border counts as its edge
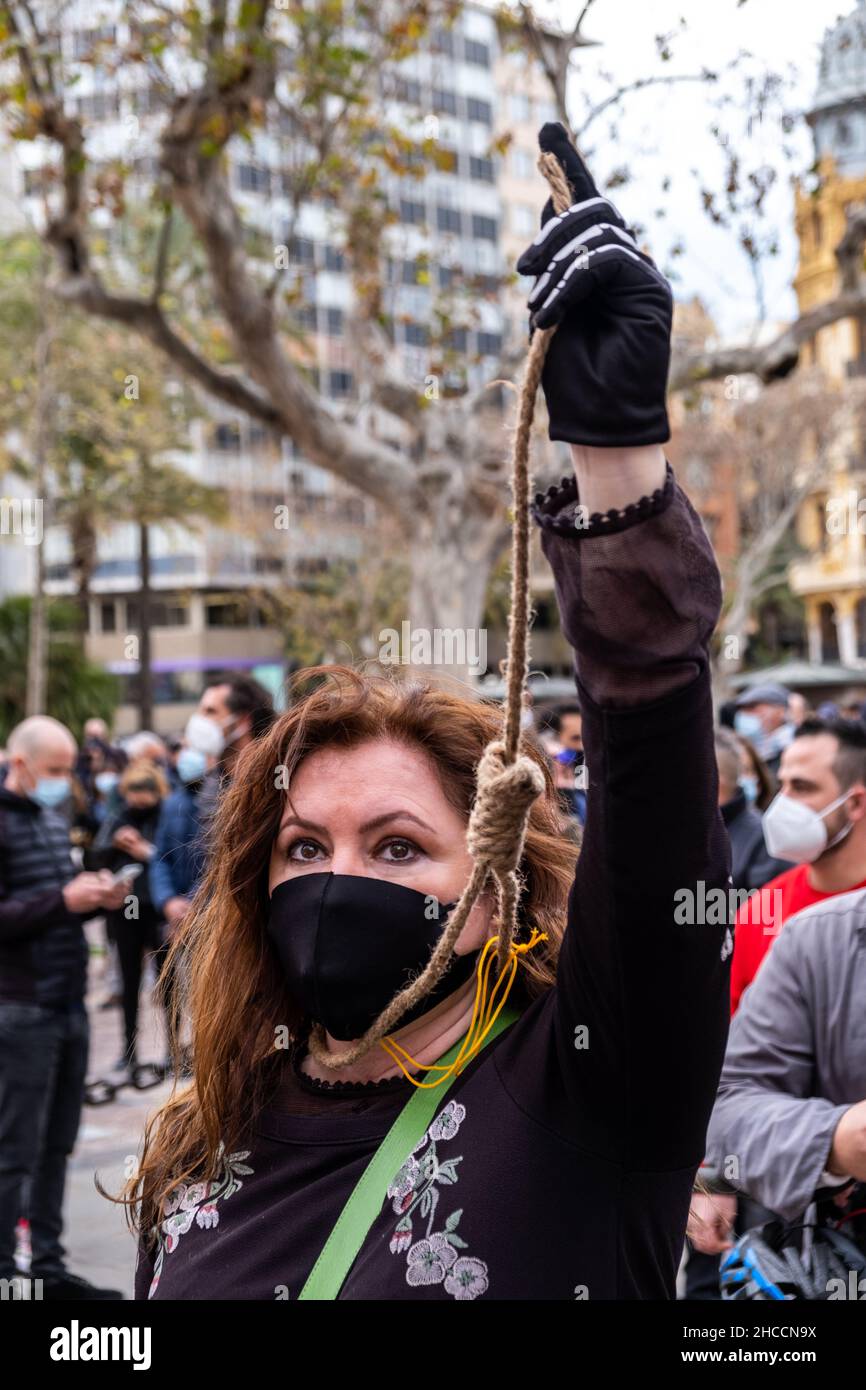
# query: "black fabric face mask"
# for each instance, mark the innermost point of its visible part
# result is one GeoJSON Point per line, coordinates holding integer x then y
{"type": "Point", "coordinates": [348, 944]}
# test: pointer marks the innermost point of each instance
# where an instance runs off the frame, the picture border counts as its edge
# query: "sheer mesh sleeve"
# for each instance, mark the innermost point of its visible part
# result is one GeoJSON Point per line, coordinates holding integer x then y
{"type": "Point", "coordinates": [639, 594]}
{"type": "Point", "coordinates": [638, 590]}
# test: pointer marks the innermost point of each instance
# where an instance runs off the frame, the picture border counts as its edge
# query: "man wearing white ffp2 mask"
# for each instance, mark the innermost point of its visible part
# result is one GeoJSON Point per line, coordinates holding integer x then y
{"type": "Point", "coordinates": [793, 830]}
{"type": "Point", "coordinates": [818, 822]}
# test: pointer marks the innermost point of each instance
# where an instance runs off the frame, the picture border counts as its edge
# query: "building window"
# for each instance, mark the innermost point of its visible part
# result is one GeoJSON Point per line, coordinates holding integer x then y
{"type": "Point", "coordinates": [307, 317]}
{"type": "Point", "coordinates": [334, 321]}
{"type": "Point", "coordinates": [415, 334]}
{"type": "Point", "coordinates": [340, 383]}
{"type": "Point", "coordinates": [107, 616]}
{"type": "Point", "coordinates": [829, 635]}
{"type": "Point", "coordinates": [444, 101]}
{"type": "Point", "coordinates": [163, 613]}
{"type": "Point", "coordinates": [482, 169]}
{"type": "Point", "coordinates": [456, 339]}
{"type": "Point", "coordinates": [861, 628]}
{"type": "Point", "coordinates": [233, 613]}
{"type": "Point", "coordinates": [85, 40]}
{"type": "Point", "coordinates": [227, 437]}
{"type": "Point", "coordinates": [442, 41]}
{"type": "Point", "coordinates": [98, 106]}
{"type": "Point", "coordinates": [484, 228]}
{"type": "Point", "coordinates": [406, 89]}
{"type": "Point", "coordinates": [478, 110]}
{"type": "Point", "coordinates": [489, 344]}
{"type": "Point", "coordinates": [302, 251]}
{"type": "Point", "coordinates": [412, 212]}
{"type": "Point", "coordinates": [334, 258]}
{"type": "Point", "coordinates": [449, 220]}
{"type": "Point", "coordinates": [253, 179]}
{"type": "Point", "coordinates": [520, 106]}
{"type": "Point", "coordinates": [475, 52]}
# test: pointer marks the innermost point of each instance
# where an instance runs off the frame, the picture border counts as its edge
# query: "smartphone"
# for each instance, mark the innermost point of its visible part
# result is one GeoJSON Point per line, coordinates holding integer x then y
{"type": "Point", "coordinates": [127, 874]}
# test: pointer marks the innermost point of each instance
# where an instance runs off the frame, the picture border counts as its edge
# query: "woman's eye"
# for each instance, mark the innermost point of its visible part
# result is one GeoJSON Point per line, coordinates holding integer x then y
{"type": "Point", "coordinates": [399, 851]}
{"type": "Point", "coordinates": [304, 850]}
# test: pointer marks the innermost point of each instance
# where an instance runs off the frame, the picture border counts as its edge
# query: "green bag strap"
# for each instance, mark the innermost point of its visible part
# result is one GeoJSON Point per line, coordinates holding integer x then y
{"type": "Point", "coordinates": [350, 1231]}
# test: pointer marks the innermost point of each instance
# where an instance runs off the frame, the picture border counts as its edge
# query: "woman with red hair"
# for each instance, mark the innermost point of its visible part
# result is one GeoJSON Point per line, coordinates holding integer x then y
{"type": "Point", "coordinates": [560, 1165]}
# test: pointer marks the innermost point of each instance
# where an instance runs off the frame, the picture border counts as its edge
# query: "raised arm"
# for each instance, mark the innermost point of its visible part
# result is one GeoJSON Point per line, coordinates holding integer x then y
{"type": "Point", "coordinates": [644, 967]}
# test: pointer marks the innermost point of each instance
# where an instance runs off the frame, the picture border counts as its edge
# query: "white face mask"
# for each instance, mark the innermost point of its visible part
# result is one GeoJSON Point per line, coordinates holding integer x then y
{"type": "Point", "coordinates": [205, 735]}
{"type": "Point", "coordinates": [794, 831]}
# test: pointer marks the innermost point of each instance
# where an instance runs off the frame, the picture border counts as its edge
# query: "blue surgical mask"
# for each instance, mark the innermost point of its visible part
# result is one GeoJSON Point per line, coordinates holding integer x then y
{"type": "Point", "coordinates": [191, 764]}
{"type": "Point", "coordinates": [747, 725]}
{"type": "Point", "coordinates": [749, 784]}
{"type": "Point", "coordinates": [50, 791]}
{"type": "Point", "coordinates": [106, 782]}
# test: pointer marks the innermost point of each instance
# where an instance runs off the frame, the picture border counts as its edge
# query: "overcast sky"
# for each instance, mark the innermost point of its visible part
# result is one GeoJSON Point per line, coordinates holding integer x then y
{"type": "Point", "coordinates": [664, 131]}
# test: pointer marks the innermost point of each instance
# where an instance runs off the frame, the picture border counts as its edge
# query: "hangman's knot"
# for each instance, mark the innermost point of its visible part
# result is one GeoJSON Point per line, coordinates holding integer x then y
{"type": "Point", "coordinates": [506, 791]}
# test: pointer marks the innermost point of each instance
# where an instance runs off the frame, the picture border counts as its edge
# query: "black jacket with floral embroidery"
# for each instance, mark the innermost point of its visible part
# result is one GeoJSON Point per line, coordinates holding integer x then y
{"type": "Point", "coordinates": [560, 1163]}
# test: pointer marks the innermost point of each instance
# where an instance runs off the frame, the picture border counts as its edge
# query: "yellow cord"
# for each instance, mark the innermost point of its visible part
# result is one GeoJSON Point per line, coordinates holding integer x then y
{"type": "Point", "coordinates": [478, 1028]}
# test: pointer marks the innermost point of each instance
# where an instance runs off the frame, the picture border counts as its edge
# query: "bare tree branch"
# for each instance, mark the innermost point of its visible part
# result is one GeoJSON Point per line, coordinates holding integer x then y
{"type": "Point", "coordinates": [145, 317]}
{"type": "Point", "coordinates": [769, 361]}
{"type": "Point", "coordinates": [638, 85]}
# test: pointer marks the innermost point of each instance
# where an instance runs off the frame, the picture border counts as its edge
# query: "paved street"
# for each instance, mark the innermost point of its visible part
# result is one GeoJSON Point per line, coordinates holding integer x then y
{"type": "Point", "coordinates": [98, 1244]}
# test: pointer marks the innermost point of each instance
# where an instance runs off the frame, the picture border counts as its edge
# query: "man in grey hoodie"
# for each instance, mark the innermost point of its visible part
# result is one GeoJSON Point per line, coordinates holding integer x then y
{"type": "Point", "coordinates": [790, 1115]}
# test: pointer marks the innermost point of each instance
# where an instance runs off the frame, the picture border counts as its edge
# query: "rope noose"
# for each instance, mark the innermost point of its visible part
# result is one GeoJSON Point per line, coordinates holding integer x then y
{"type": "Point", "coordinates": [508, 781]}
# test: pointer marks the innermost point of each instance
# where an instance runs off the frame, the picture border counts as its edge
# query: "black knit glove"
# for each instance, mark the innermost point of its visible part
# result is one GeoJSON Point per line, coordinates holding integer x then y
{"type": "Point", "coordinates": [606, 369]}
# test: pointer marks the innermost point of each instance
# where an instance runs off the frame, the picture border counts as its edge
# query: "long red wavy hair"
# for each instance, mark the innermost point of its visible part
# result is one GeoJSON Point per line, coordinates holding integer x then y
{"type": "Point", "coordinates": [235, 993]}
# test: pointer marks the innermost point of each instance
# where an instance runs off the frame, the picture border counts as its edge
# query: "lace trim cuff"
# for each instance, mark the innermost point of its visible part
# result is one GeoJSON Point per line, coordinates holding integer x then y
{"type": "Point", "coordinates": [557, 510]}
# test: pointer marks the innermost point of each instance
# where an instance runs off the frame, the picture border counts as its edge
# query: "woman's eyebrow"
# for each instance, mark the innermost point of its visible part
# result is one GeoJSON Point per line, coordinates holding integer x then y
{"type": "Point", "coordinates": [378, 821]}
{"type": "Point", "coordinates": [373, 824]}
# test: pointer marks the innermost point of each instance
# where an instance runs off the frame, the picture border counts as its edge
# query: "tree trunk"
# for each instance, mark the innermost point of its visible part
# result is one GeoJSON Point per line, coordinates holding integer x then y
{"type": "Point", "coordinates": [82, 534]}
{"type": "Point", "coordinates": [145, 674]}
{"type": "Point", "coordinates": [451, 566]}
{"type": "Point", "coordinates": [37, 651]}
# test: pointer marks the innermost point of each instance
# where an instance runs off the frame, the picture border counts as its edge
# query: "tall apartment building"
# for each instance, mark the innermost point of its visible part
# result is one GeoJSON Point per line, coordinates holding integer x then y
{"type": "Point", "coordinates": [474, 216]}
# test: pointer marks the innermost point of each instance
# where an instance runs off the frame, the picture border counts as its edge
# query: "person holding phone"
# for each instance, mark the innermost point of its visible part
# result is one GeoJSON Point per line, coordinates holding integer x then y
{"type": "Point", "coordinates": [125, 845]}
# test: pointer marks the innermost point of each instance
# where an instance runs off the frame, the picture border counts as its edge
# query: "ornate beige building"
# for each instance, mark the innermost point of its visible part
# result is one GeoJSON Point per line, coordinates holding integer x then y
{"type": "Point", "coordinates": [831, 524]}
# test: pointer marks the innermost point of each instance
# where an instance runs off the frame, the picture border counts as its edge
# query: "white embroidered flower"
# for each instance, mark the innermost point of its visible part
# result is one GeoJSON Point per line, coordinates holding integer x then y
{"type": "Point", "coordinates": [401, 1239]}
{"type": "Point", "coordinates": [429, 1260]}
{"type": "Point", "coordinates": [174, 1199]}
{"type": "Point", "coordinates": [194, 1196]}
{"type": "Point", "coordinates": [178, 1224]}
{"type": "Point", "coordinates": [448, 1121]}
{"type": "Point", "coordinates": [207, 1216]}
{"type": "Point", "coordinates": [467, 1278]}
{"type": "Point", "coordinates": [402, 1188]}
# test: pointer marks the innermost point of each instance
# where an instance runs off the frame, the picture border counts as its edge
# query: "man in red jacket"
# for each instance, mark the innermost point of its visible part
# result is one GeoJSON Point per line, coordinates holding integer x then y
{"type": "Point", "coordinates": [818, 821]}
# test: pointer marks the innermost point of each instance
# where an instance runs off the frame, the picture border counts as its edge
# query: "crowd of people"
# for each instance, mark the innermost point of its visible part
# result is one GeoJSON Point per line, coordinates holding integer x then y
{"type": "Point", "coordinates": [285, 875]}
{"type": "Point", "coordinates": [117, 831]}
{"type": "Point", "coordinates": [114, 832]}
